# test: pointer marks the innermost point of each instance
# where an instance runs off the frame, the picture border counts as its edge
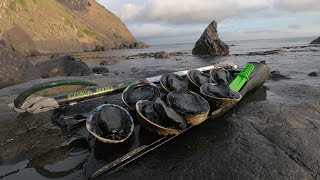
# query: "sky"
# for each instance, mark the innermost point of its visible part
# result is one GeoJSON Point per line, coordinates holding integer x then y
{"type": "Point", "coordinates": [183, 21]}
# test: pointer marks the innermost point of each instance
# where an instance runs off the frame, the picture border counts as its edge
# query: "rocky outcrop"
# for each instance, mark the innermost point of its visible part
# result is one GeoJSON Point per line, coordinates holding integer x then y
{"type": "Point", "coordinates": [139, 45]}
{"type": "Point", "coordinates": [277, 76]}
{"type": "Point", "coordinates": [15, 69]}
{"type": "Point", "coordinates": [262, 53]}
{"type": "Point", "coordinates": [316, 41]}
{"type": "Point", "coordinates": [59, 26]}
{"type": "Point", "coordinates": [161, 55]}
{"type": "Point", "coordinates": [77, 5]}
{"type": "Point", "coordinates": [100, 70]}
{"type": "Point", "coordinates": [210, 44]}
{"type": "Point", "coordinates": [313, 74]}
{"type": "Point", "coordinates": [64, 65]}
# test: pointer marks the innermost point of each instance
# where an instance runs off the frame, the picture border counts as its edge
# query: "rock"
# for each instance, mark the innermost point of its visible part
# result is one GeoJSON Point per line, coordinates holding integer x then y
{"type": "Point", "coordinates": [134, 70]}
{"type": "Point", "coordinates": [227, 64]}
{"type": "Point", "coordinates": [161, 55]}
{"type": "Point", "coordinates": [262, 53]}
{"type": "Point", "coordinates": [139, 45]}
{"type": "Point", "coordinates": [313, 74]}
{"type": "Point", "coordinates": [63, 65]}
{"type": "Point", "coordinates": [316, 41]}
{"type": "Point", "coordinates": [232, 45]}
{"type": "Point", "coordinates": [76, 5]}
{"type": "Point", "coordinates": [209, 43]}
{"type": "Point", "coordinates": [277, 76]}
{"type": "Point", "coordinates": [2, 42]}
{"type": "Point", "coordinates": [110, 60]}
{"type": "Point", "coordinates": [100, 70]}
{"type": "Point", "coordinates": [179, 53]}
{"type": "Point", "coordinates": [15, 69]}
{"type": "Point", "coordinates": [99, 48]}
{"type": "Point", "coordinates": [104, 63]}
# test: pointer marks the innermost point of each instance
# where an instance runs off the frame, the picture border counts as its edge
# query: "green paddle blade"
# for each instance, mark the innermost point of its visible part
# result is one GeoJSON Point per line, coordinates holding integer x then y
{"type": "Point", "coordinates": [242, 78]}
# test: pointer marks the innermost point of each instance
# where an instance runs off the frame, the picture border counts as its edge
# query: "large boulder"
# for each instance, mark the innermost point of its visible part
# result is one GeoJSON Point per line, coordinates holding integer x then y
{"type": "Point", "coordinates": [209, 43]}
{"type": "Point", "coordinates": [316, 41]}
{"type": "Point", "coordinates": [15, 69]}
{"type": "Point", "coordinates": [63, 65]}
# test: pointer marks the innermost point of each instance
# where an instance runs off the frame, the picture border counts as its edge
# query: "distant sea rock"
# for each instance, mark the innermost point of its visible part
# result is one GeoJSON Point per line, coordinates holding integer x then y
{"type": "Point", "coordinates": [62, 26]}
{"type": "Point", "coordinates": [316, 41]}
{"type": "Point", "coordinates": [161, 55]}
{"type": "Point", "coordinates": [210, 44]}
{"type": "Point", "coordinates": [139, 45]}
{"type": "Point", "coordinates": [63, 65]}
{"type": "Point", "coordinates": [313, 74]}
{"type": "Point", "coordinates": [15, 69]}
{"type": "Point", "coordinates": [262, 53]}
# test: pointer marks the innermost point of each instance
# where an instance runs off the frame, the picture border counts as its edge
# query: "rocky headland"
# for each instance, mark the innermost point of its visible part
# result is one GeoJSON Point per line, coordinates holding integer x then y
{"type": "Point", "coordinates": [33, 27]}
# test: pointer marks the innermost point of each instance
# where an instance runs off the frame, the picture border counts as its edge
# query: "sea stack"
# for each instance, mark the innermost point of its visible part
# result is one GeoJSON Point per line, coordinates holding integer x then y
{"type": "Point", "coordinates": [210, 44]}
{"type": "Point", "coordinates": [316, 41]}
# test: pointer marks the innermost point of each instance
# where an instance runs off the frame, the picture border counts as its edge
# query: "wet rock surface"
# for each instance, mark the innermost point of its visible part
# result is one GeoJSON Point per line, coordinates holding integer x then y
{"type": "Point", "coordinates": [271, 134]}
{"type": "Point", "coordinates": [63, 65]}
{"type": "Point", "coordinates": [210, 44]}
{"type": "Point", "coordinates": [15, 69]}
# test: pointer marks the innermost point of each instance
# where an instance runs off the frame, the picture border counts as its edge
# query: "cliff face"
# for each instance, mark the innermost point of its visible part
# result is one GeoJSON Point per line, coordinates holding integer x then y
{"type": "Point", "coordinates": [55, 26]}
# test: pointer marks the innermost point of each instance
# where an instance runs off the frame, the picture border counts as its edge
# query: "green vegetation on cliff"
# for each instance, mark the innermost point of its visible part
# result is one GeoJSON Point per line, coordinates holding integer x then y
{"type": "Point", "coordinates": [50, 26]}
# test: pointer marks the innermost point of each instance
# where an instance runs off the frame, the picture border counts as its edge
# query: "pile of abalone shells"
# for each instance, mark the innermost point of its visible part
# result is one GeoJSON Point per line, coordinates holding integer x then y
{"type": "Point", "coordinates": [165, 112]}
{"type": "Point", "coordinates": [178, 107]}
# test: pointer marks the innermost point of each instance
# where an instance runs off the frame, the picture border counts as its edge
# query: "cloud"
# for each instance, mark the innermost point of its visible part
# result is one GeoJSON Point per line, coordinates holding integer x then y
{"type": "Point", "coordinates": [150, 30]}
{"type": "Point", "coordinates": [298, 6]}
{"type": "Point", "coordinates": [190, 11]}
{"type": "Point", "coordinates": [185, 20]}
{"type": "Point", "coordinates": [294, 26]}
{"type": "Point", "coordinates": [204, 11]}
